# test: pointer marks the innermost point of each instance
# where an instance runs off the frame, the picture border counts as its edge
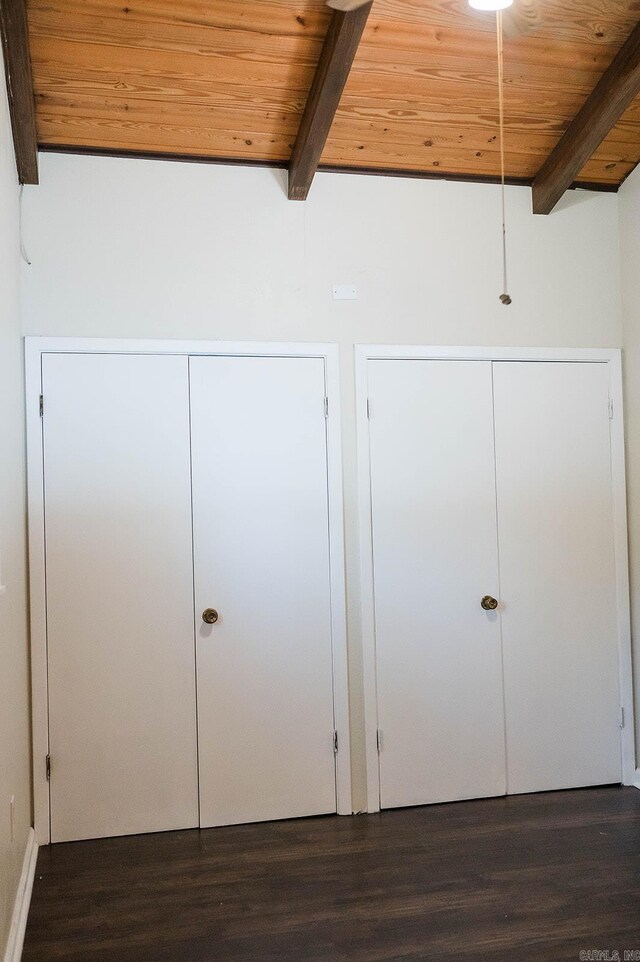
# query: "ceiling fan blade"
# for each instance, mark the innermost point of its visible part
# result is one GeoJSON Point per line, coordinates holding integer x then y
{"type": "Point", "coordinates": [346, 5]}
{"type": "Point", "coordinates": [522, 18]}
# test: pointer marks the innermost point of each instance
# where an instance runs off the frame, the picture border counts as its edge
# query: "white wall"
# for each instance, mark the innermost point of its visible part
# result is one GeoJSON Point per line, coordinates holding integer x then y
{"type": "Point", "coordinates": [629, 206]}
{"type": "Point", "coordinates": [14, 699]}
{"type": "Point", "coordinates": [136, 248]}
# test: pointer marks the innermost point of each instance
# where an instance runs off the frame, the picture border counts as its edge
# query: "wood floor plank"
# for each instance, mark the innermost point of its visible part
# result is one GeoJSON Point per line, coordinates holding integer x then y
{"type": "Point", "coordinates": [534, 878]}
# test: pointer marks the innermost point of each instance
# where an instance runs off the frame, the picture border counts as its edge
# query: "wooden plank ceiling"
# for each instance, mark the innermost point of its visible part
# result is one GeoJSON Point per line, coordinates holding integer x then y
{"type": "Point", "coordinates": [228, 79]}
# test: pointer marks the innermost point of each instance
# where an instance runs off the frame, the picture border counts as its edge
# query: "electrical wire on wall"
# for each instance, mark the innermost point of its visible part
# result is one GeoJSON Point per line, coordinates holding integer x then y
{"type": "Point", "coordinates": [505, 297]}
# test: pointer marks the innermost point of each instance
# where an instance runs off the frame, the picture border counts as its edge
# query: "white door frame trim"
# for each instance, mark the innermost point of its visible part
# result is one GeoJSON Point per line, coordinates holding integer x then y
{"type": "Point", "coordinates": [612, 357]}
{"type": "Point", "coordinates": [35, 347]}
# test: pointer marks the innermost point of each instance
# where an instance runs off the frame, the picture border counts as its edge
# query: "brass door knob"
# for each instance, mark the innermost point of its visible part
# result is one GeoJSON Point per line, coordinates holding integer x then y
{"type": "Point", "coordinates": [489, 603]}
{"type": "Point", "coordinates": [209, 616]}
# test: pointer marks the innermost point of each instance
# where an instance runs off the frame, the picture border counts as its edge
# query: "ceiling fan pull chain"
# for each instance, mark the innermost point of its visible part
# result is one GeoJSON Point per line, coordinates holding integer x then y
{"type": "Point", "coordinates": [505, 297]}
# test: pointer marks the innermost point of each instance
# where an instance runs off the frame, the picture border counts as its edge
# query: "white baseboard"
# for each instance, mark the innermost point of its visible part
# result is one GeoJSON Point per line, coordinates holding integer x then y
{"type": "Point", "coordinates": [18, 926]}
{"type": "Point", "coordinates": [637, 778]}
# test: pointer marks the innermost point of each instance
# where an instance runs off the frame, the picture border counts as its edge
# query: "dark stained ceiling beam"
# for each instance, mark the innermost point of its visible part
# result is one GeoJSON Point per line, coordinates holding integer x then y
{"type": "Point", "coordinates": [338, 52]}
{"type": "Point", "coordinates": [616, 90]}
{"type": "Point", "coordinates": [17, 68]}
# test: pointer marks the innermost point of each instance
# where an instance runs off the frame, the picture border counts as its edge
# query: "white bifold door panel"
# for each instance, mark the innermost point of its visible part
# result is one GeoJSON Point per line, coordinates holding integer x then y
{"type": "Point", "coordinates": [265, 681]}
{"type": "Point", "coordinates": [119, 595]}
{"type": "Point", "coordinates": [492, 478]}
{"type": "Point", "coordinates": [558, 579]}
{"type": "Point", "coordinates": [439, 672]}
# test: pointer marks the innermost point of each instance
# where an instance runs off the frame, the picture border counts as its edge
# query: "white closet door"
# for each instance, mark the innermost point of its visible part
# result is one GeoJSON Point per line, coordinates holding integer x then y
{"type": "Point", "coordinates": [119, 595]}
{"type": "Point", "coordinates": [558, 578]}
{"type": "Point", "coordinates": [265, 680]}
{"type": "Point", "coordinates": [440, 706]}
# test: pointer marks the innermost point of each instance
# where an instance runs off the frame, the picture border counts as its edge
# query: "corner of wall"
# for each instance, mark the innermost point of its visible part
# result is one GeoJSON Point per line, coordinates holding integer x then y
{"type": "Point", "coordinates": [628, 219]}
{"type": "Point", "coordinates": [15, 781]}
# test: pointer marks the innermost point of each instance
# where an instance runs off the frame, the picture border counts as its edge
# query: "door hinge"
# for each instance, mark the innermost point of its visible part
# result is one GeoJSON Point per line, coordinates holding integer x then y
{"type": "Point", "coordinates": [326, 407]}
{"type": "Point", "coordinates": [621, 717]}
{"type": "Point", "coordinates": [368, 409]}
{"type": "Point", "coordinates": [611, 409]}
{"type": "Point", "coordinates": [379, 740]}
{"type": "Point", "coordinates": [335, 743]}
{"type": "Point", "coordinates": [41, 405]}
{"type": "Point", "coordinates": [48, 767]}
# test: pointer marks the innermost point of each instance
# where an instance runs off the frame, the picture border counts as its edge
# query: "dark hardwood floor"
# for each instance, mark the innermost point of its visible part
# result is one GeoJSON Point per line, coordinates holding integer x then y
{"type": "Point", "coordinates": [534, 877]}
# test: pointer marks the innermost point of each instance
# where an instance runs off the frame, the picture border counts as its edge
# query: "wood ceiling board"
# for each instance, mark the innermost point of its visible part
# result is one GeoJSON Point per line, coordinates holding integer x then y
{"type": "Point", "coordinates": [91, 124]}
{"type": "Point", "coordinates": [624, 141]}
{"type": "Point", "coordinates": [444, 163]}
{"type": "Point", "coordinates": [526, 161]}
{"type": "Point", "coordinates": [428, 46]}
{"type": "Point", "coordinates": [187, 73]}
{"type": "Point", "coordinates": [465, 110]}
{"type": "Point", "coordinates": [171, 41]}
{"type": "Point", "coordinates": [612, 153]}
{"type": "Point", "coordinates": [420, 136]}
{"type": "Point", "coordinates": [601, 173]}
{"type": "Point", "coordinates": [531, 103]}
{"type": "Point", "coordinates": [250, 63]}
{"type": "Point", "coordinates": [600, 21]}
{"type": "Point", "coordinates": [265, 19]}
{"type": "Point", "coordinates": [616, 90]}
{"type": "Point", "coordinates": [173, 139]}
{"type": "Point", "coordinates": [434, 106]}
{"type": "Point", "coordinates": [549, 66]}
{"type": "Point", "coordinates": [412, 84]}
{"type": "Point", "coordinates": [148, 111]}
{"type": "Point", "coordinates": [174, 119]}
{"type": "Point", "coordinates": [124, 63]}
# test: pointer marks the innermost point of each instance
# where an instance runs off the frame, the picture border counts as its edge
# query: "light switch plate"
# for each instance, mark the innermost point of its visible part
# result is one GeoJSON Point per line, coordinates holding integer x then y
{"type": "Point", "coordinates": [344, 292]}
